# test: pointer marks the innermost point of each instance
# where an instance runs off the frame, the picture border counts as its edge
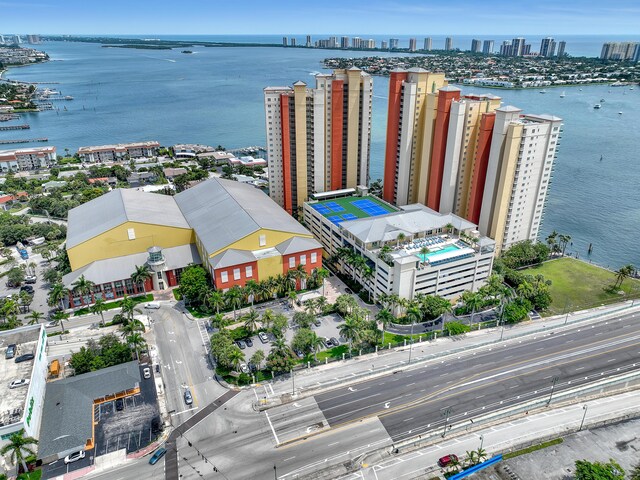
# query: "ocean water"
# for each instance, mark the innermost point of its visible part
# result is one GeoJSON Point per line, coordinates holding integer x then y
{"type": "Point", "coordinates": [214, 96]}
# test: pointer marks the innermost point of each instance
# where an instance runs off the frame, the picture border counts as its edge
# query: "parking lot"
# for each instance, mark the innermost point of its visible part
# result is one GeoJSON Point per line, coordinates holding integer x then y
{"type": "Point", "coordinates": [132, 427]}
{"type": "Point", "coordinates": [328, 328]}
{"type": "Point", "coordinates": [40, 293]}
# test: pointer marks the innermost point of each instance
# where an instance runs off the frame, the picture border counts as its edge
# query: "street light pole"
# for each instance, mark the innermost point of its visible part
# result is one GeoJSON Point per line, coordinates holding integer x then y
{"type": "Point", "coordinates": [554, 380]}
{"type": "Point", "coordinates": [446, 413]}
{"type": "Point", "coordinates": [411, 342]}
{"type": "Point", "coordinates": [584, 407]}
{"type": "Point", "coordinates": [275, 472]}
{"type": "Point", "coordinates": [293, 383]}
{"type": "Point", "coordinates": [481, 441]}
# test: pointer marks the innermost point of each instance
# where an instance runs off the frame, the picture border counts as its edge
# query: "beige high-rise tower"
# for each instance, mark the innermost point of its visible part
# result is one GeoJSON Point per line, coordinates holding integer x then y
{"type": "Point", "coordinates": [318, 139]}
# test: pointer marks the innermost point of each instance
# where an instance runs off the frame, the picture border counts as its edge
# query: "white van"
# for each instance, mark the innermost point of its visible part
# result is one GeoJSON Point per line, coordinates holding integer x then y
{"type": "Point", "coordinates": [152, 306]}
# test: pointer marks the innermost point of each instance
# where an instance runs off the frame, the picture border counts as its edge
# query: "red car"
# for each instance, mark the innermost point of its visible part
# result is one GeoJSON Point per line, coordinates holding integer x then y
{"type": "Point", "coordinates": [448, 460]}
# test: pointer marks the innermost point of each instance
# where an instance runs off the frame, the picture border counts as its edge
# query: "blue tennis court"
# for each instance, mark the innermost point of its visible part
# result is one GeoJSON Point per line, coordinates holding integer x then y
{"type": "Point", "coordinates": [335, 218]}
{"type": "Point", "coordinates": [321, 208]}
{"type": "Point", "coordinates": [349, 216]}
{"type": "Point", "coordinates": [334, 206]}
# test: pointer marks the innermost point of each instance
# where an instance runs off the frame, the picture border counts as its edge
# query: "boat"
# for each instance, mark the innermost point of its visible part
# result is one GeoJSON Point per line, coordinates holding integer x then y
{"type": "Point", "coordinates": [597, 106]}
{"type": "Point", "coordinates": [562, 95]}
{"type": "Point", "coordinates": [543, 91]}
{"type": "Point", "coordinates": [602, 100]}
{"type": "Point", "coordinates": [619, 113]}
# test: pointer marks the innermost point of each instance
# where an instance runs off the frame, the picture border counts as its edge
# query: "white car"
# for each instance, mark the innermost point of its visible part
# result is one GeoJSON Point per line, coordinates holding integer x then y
{"type": "Point", "coordinates": [244, 368]}
{"type": "Point", "coordinates": [152, 306]}
{"type": "Point", "coordinates": [19, 383]}
{"type": "Point", "coordinates": [74, 457]}
{"type": "Point", "coordinates": [146, 372]}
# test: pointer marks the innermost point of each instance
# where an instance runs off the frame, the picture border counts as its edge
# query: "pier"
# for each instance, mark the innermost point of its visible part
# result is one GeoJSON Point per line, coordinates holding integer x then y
{"type": "Point", "coordinates": [24, 140]}
{"type": "Point", "coordinates": [15, 127]}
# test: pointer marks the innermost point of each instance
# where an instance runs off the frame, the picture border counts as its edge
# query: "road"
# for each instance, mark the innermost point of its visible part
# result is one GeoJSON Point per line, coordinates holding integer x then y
{"type": "Point", "coordinates": [357, 418]}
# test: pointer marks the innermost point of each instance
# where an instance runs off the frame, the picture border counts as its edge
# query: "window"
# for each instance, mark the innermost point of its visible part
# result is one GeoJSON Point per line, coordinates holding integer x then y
{"type": "Point", "coordinates": [292, 262]}
{"type": "Point", "coordinates": [248, 271]}
{"type": "Point", "coordinates": [314, 257]}
{"type": "Point", "coordinates": [263, 240]}
{"type": "Point", "coordinates": [236, 274]}
{"type": "Point", "coordinates": [119, 289]}
{"type": "Point", "coordinates": [303, 259]}
{"type": "Point", "coordinates": [131, 233]}
{"type": "Point", "coordinates": [224, 277]}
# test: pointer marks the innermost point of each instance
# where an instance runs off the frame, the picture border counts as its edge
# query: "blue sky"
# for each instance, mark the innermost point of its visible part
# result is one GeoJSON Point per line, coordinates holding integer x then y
{"type": "Point", "coordinates": [327, 16]}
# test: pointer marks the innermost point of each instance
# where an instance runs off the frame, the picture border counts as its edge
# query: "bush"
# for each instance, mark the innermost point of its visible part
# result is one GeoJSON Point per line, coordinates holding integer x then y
{"type": "Point", "coordinates": [456, 328]}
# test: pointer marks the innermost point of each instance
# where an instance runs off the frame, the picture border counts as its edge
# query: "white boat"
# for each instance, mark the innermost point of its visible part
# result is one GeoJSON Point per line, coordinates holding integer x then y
{"type": "Point", "coordinates": [543, 91]}
{"type": "Point", "coordinates": [597, 106]}
{"type": "Point", "coordinates": [562, 95]}
{"type": "Point", "coordinates": [619, 113]}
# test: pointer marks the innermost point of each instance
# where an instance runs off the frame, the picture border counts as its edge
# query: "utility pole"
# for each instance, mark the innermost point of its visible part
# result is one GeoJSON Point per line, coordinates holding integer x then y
{"type": "Point", "coordinates": [481, 441]}
{"type": "Point", "coordinates": [584, 407]}
{"type": "Point", "coordinates": [446, 413]}
{"type": "Point", "coordinates": [411, 342]}
{"type": "Point", "coordinates": [554, 380]}
{"type": "Point", "coordinates": [275, 471]}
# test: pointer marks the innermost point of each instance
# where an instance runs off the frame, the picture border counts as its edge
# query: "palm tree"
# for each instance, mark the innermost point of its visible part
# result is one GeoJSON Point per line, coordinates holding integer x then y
{"type": "Point", "coordinates": [59, 317]}
{"type": "Point", "coordinates": [385, 317]}
{"type": "Point", "coordinates": [57, 295]}
{"type": "Point", "coordinates": [251, 321]}
{"type": "Point", "coordinates": [233, 297]}
{"type": "Point", "coordinates": [257, 359]}
{"type": "Point", "coordinates": [19, 446]}
{"type": "Point", "coordinates": [35, 317]}
{"type": "Point", "coordinates": [316, 343]}
{"type": "Point", "coordinates": [214, 299]}
{"type": "Point", "coordinates": [414, 313]}
{"type": "Point", "coordinates": [292, 296]}
{"type": "Point", "coordinates": [424, 251]}
{"type": "Point", "coordinates": [131, 328]}
{"type": "Point", "coordinates": [32, 268]}
{"type": "Point", "coordinates": [128, 308]}
{"type": "Point", "coordinates": [236, 357]}
{"type": "Point", "coordinates": [302, 275]}
{"type": "Point", "coordinates": [217, 320]}
{"type": "Point", "coordinates": [84, 287]}
{"type": "Point", "coordinates": [322, 274]}
{"type": "Point", "coordinates": [622, 273]}
{"type": "Point", "coordinates": [350, 331]}
{"type": "Point", "coordinates": [481, 455]}
{"type": "Point", "coordinates": [267, 318]}
{"type": "Point", "coordinates": [449, 227]}
{"type": "Point", "coordinates": [471, 458]}
{"type": "Point", "coordinates": [98, 308]}
{"type": "Point", "coordinates": [252, 289]}
{"type": "Point", "coordinates": [279, 345]}
{"type": "Point", "coordinates": [141, 274]}
{"type": "Point", "coordinates": [367, 274]}
{"type": "Point", "coordinates": [136, 341]}
{"type": "Point", "coordinates": [383, 253]}
{"type": "Point", "coordinates": [552, 239]}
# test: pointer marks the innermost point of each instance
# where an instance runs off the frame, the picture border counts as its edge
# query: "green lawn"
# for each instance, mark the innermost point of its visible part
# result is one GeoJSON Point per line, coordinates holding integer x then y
{"type": "Point", "coordinates": [394, 339]}
{"type": "Point", "coordinates": [117, 304]}
{"type": "Point", "coordinates": [577, 285]}
{"type": "Point", "coordinates": [332, 353]}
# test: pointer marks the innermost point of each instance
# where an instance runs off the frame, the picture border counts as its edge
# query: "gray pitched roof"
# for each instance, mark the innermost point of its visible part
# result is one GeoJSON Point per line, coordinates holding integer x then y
{"type": "Point", "coordinates": [297, 244]}
{"type": "Point", "coordinates": [67, 415]}
{"type": "Point", "coordinates": [117, 207]}
{"type": "Point", "coordinates": [222, 212]}
{"type": "Point", "coordinates": [231, 257]}
{"type": "Point", "coordinates": [119, 268]}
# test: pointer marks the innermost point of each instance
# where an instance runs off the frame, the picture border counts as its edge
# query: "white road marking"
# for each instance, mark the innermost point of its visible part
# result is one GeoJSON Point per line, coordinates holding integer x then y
{"type": "Point", "coordinates": [273, 430]}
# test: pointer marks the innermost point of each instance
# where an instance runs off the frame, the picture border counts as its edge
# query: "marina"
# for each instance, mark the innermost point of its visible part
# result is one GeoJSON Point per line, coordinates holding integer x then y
{"type": "Point", "coordinates": [24, 140]}
{"type": "Point", "coordinates": [15, 127]}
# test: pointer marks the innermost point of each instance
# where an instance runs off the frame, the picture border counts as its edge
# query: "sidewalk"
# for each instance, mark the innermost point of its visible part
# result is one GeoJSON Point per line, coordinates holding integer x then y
{"type": "Point", "coordinates": [508, 437]}
{"type": "Point", "coordinates": [310, 381]}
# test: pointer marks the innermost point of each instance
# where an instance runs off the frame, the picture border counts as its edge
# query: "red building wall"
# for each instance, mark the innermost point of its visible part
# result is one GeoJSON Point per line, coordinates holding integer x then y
{"type": "Point", "coordinates": [286, 152]}
{"type": "Point", "coordinates": [242, 281]}
{"type": "Point", "coordinates": [309, 266]}
{"type": "Point", "coordinates": [393, 132]}
{"type": "Point", "coordinates": [481, 162]}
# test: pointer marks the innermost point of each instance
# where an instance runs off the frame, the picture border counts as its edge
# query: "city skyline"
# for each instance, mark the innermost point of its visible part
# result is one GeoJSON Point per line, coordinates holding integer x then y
{"type": "Point", "coordinates": [544, 17]}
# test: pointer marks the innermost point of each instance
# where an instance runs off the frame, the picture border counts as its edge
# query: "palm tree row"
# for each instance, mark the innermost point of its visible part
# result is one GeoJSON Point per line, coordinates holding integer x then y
{"type": "Point", "coordinates": [622, 273]}
{"type": "Point", "coordinates": [359, 266]}
{"type": "Point", "coordinates": [272, 287]}
{"type": "Point", "coordinates": [557, 242]}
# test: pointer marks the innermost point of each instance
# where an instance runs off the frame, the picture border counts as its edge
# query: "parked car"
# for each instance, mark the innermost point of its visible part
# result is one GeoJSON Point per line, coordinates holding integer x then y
{"type": "Point", "coordinates": [241, 344]}
{"type": "Point", "coordinates": [146, 372]}
{"type": "Point", "coordinates": [263, 337]}
{"type": "Point", "coordinates": [249, 342]}
{"type": "Point", "coordinates": [326, 342]}
{"type": "Point", "coordinates": [447, 460]}
{"type": "Point", "coordinates": [348, 290]}
{"type": "Point", "coordinates": [317, 322]}
{"type": "Point", "coordinates": [11, 351]}
{"type": "Point", "coordinates": [152, 306]}
{"type": "Point", "coordinates": [25, 357]}
{"type": "Point", "coordinates": [119, 404]}
{"type": "Point", "coordinates": [19, 383]}
{"type": "Point", "coordinates": [30, 279]}
{"type": "Point", "coordinates": [157, 455]}
{"type": "Point", "coordinates": [244, 368]}
{"type": "Point", "coordinates": [27, 288]}
{"type": "Point", "coordinates": [299, 353]}
{"type": "Point", "coordinates": [334, 341]}
{"type": "Point", "coordinates": [157, 368]}
{"type": "Point", "coordinates": [74, 457]}
{"type": "Point", "coordinates": [188, 399]}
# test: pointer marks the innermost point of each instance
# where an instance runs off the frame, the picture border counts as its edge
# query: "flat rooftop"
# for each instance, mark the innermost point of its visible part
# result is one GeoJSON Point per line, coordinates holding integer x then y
{"type": "Point", "coordinates": [339, 210]}
{"type": "Point", "coordinates": [12, 400]}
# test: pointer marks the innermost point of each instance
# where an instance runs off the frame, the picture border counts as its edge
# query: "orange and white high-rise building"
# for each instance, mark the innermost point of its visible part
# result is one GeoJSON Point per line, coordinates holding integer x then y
{"type": "Point", "coordinates": [465, 155]}
{"type": "Point", "coordinates": [318, 139]}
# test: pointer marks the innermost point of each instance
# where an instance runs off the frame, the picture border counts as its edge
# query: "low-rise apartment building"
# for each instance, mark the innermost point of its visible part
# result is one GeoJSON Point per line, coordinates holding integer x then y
{"type": "Point", "coordinates": [411, 249]}
{"type": "Point", "coordinates": [120, 151]}
{"type": "Point", "coordinates": [23, 159]}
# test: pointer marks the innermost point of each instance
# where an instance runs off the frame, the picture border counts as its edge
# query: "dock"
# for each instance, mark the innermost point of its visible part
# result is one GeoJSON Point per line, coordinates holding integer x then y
{"type": "Point", "coordinates": [15, 127]}
{"type": "Point", "coordinates": [24, 140]}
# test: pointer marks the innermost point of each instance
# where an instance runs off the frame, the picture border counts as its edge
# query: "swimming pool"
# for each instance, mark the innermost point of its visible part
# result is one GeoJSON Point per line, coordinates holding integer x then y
{"type": "Point", "coordinates": [449, 248]}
